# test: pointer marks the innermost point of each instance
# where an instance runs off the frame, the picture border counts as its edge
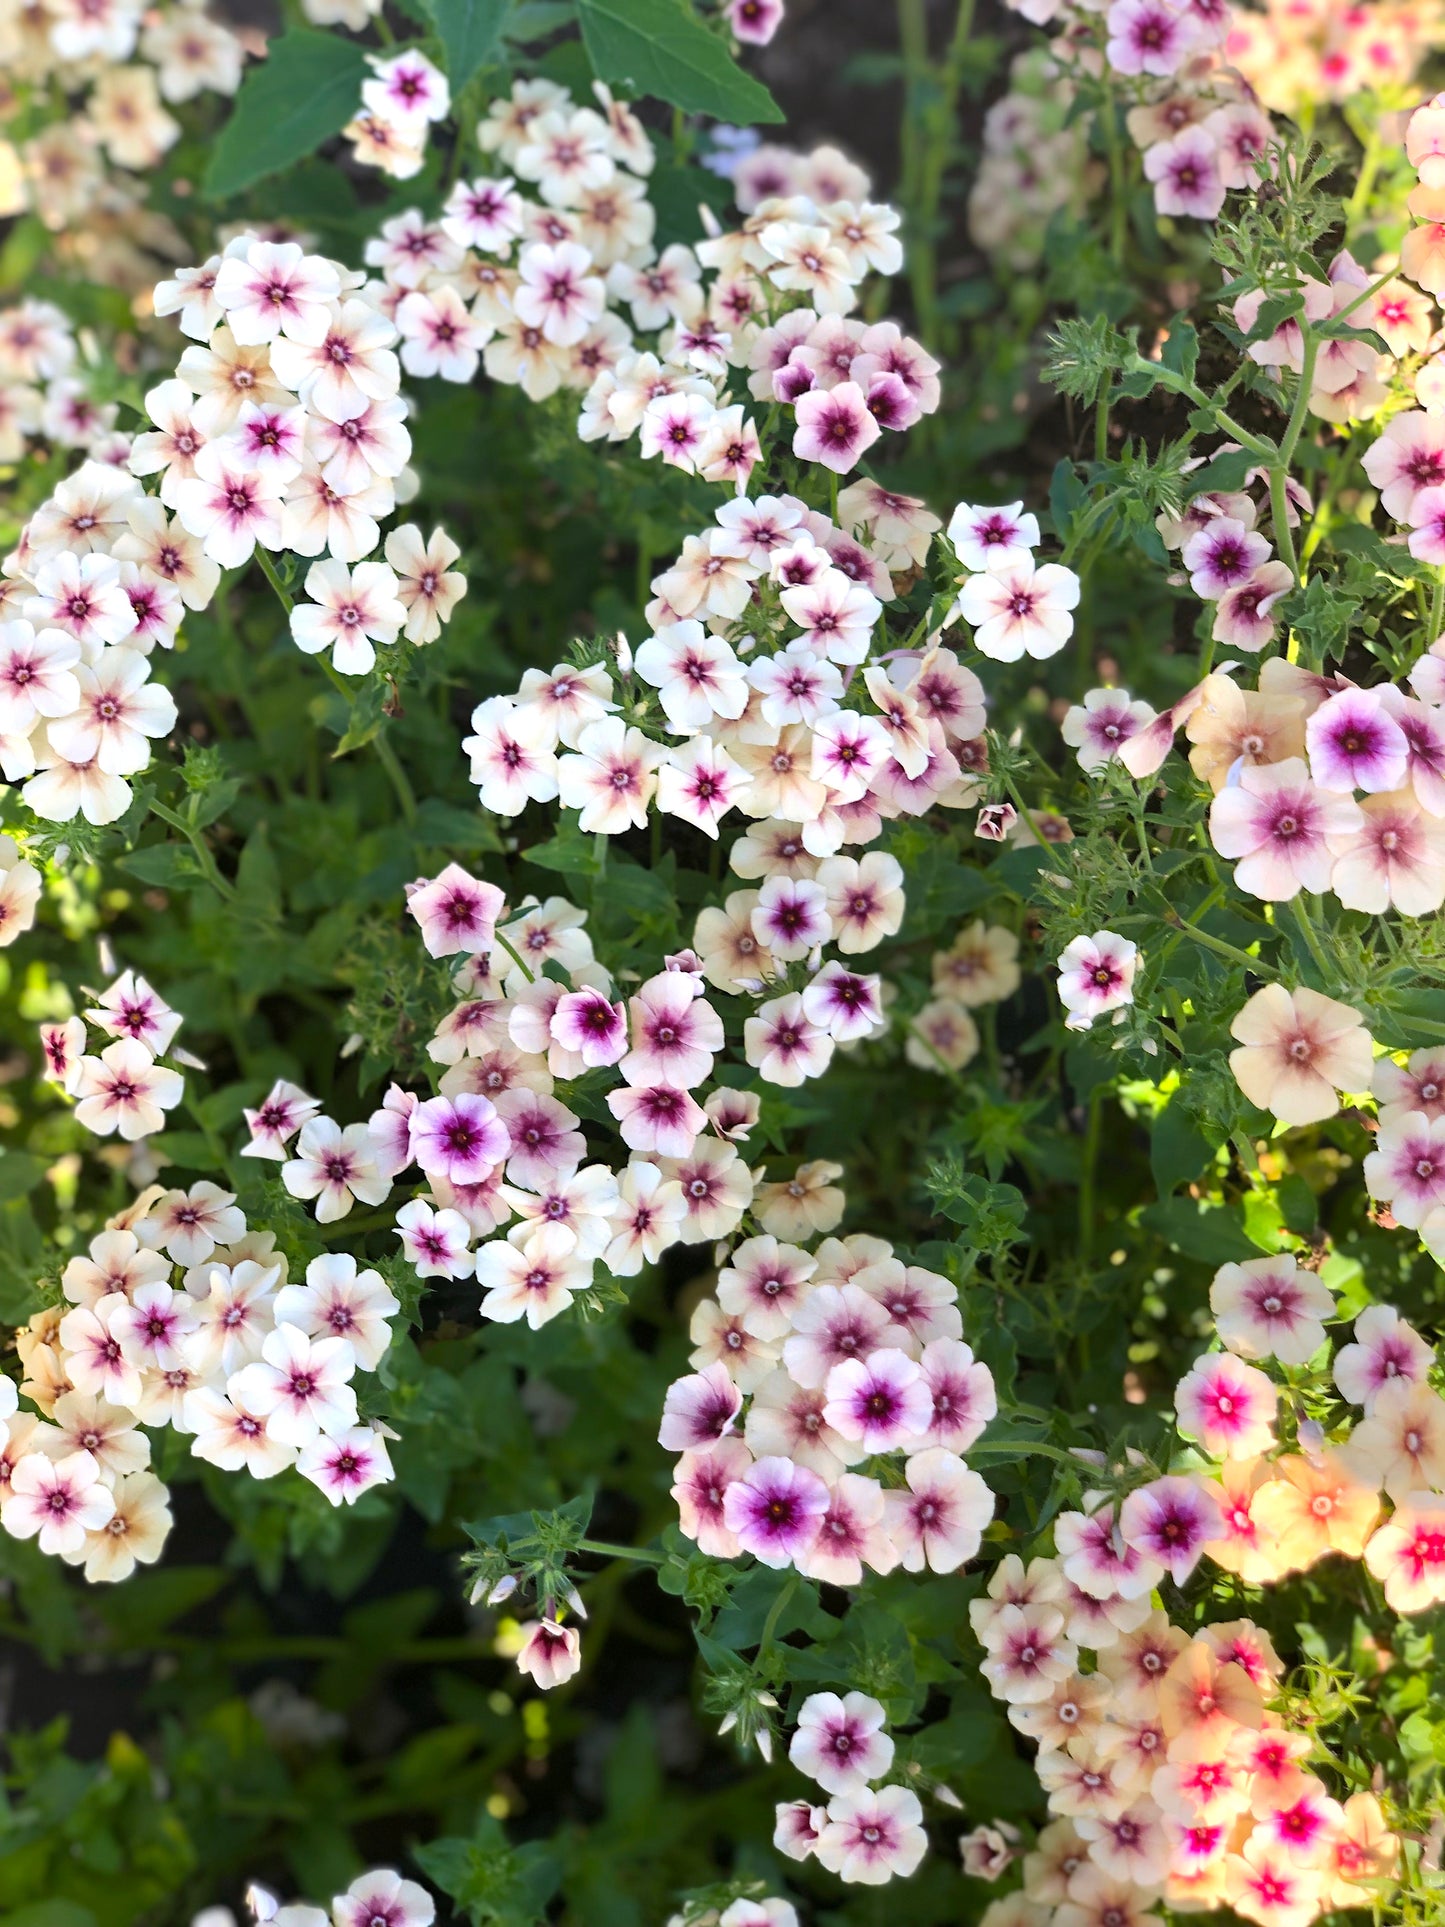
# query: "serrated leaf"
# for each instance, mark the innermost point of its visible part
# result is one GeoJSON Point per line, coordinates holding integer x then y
{"type": "Point", "coordinates": [471, 34]}
{"type": "Point", "coordinates": [307, 89]}
{"type": "Point", "coordinates": [660, 47]}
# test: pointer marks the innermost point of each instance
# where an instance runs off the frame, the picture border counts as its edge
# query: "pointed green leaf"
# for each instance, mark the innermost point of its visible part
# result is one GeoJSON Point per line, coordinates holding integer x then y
{"type": "Point", "coordinates": [660, 47]}
{"type": "Point", "coordinates": [307, 89]}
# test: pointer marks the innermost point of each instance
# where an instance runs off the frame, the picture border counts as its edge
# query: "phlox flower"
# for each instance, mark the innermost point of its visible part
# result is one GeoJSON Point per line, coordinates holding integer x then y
{"type": "Point", "coordinates": [382, 1898]}
{"type": "Point", "coordinates": [1227, 1406]}
{"type": "Point", "coordinates": [1148, 37]}
{"type": "Point", "coordinates": [1020, 609]}
{"type": "Point", "coordinates": [1406, 1169]}
{"type": "Point", "coordinates": [659, 1118]}
{"type": "Point", "coordinates": [534, 1280]}
{"type": "Point", "coordinates": [1281, 828]}
{"type": "Point", "coordinates": [840, 1742]}
{"type": "Point", "coordinates": [992, 538]}
{"type": "Point", "coordinates": [1097, 1560]}
{"type": "Point", "coordinates": [188, 1225]}
{"type": "Point", "coordinates": [774, 1510]}
{"type": "Point", "coordinates": [700, 1483]}
{"type": "Point", "coordinates": [299, 1386]}
{"type": "Point", "coordinates": [1221, 556]}
{"type": "Point", "coordinates": [235, 1308]}
{"type": "Point", "coordinates": [455, 912]}
{"type": "Point", "coordinates": [1269, 1308]}
{"type": "Point", "coordinates": [229, 506]}
{"type": "Point", "coordinates": [125, 1090]}
{"type": "Point", "coordinates": [877, 1403]}
{"type": "Point", "coordinates": [97, 1364]}
{"type": "Point", "coordinates": [512, 752]}
{"type": "Point", "coordinates": [427, 586]}
{"type": "Point", "coordinates": [347, 1464]}
{"type": "Point", "coordinates": [1243, 616]}
{"type": "Point", "coordinates": [843, 1004]}
{"type": "Point", "coordinates": [1396, 858]}
{"type": "Point", "coordinates": [939, 1521]}
{"type": "Point", "coordinates": [56, 1502]}
{"type": "Point", "coordinates": [275, 288]}
{"type": "Point", "coordinates": [835, 615]}
{"type": "Point", "coordinates": [1096, 728]}
{"type": "Point", "coordinates": [1297, 1050]}
{"type": "Point", "coordinates": [648, 1213]}
{"type": "Point", "coordinates": [1406, 1554]}
{"type": "Point", "coordinates": [716, 1188]}
{"type": "Point", "coordinates": [409, 91]}
{"type": "Point", "coordinates": [870, 1837]}
{"type": "Point", "coordinates": [674, 1032]}
{"type": "Point", "coordinates": [483, 214]}
{"type": "Point", "coordinates": [848, 751]}
{"type": "Point", "coordinates": [440, 336]}
{"type": "Point", "coordinates": [1128, 1846]}
{"type": "Point", "coordinates": [785, 1045]}
{"type": "Point", "coordinates": [1204, 1697]}
{"type": "Point", "coordinates": [36, 676]}
{"type": "Point", "coordinates": [461, 1138]}
{"type": "Point", "coordinates": [1401, 1445]}
{"type": "Point", "coordinates": [1314, 1507]}
{"type": "Point", "coordinates": [351, 365]}
{"type": "Point", "coordinates": [851, 1534]}
{"type": "Point", "coordinates": [1185, 171]}
{"type": "Point", "coordinates": [1096, 975]}
{"type": "Point", "coordinates": [1169, 1521]}
{"type": "Point", "coordinates": [864, 899]}
{"type": "Point", "coordinates": [81, 596]}
{"type": "Point", "coordinates": [834, 426]}
{"type": "Point", "coordinates": [335, 1167]}
{"type": "Point", "coordinates": [763, 1284]}
{"type": "Point", "coordinates": [1386, 1351]}
{"type": "Point", "coordinates": [696, 675]}
{"type": "Point", "coordinates": [134, 1534]}
{"type": "Point", "coordinates": [1264, 1885]}
{"type": "Point", "coordinates": [117, 710]}
{"type": "Point", "coordinates": [676, 426]}
{"type": "Point", "coordinates": [804, 1204]}
{"type": "Point", "coordinates": [961, 1393]}
{"type": "Point", "coordinates": [586, 1023]}
{"type": "Point", "coordinates": [1028, 1653]}
{"type": "Point", "coordinates": [1355, 743]}
{"type": "Point", "coordinates": [609, 779]}
{"type": "Point", "coordinates": [550, 1654]}
{"type": "Point", "coordinates": [754, 22]}
{"type": "Point", "coordinates": [1405, 459]}
{"type": "Point", "coordinates": [701, 783]}
{"type": "Point", "coordinates": [338, 1301]}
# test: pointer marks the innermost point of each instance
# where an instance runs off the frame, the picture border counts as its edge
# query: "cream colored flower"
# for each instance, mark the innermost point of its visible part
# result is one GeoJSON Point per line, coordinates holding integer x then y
{"type": "Point", "coordinates": [1298, 1050]}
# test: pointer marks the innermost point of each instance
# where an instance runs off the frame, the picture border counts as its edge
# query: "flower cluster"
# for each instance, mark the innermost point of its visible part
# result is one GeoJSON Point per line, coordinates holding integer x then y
{"type": "Point", "coordinates": [865, 1833]}
{"type": "Point", "coordinates": [980, 967]}
{"type": "Point", "coordinates": [839, 1355]}
{"type": "Point", "coordinates": [255, 1371]}
{"type": "Point", "coordinates": [104, 74]}
{"type": "Point", "coordinates": [498, 1142]}
{"type": "Point", "coordinates": [1035, 163]}
{"type": "Point", "coordinates": [82, 606]}
{"type": "Point", "coordinates": [1332, 53]}
{"type": "Point", "coordinates": [42, 398]}
{"type": "Point", "coordinates": [1166, 1771]}
{"type": "Point", "coordinates": [283, 429]}
{"type": "Point", "coordinates": [123, 1088]}
{"type": "Point", "coordinates": [377, 1898]}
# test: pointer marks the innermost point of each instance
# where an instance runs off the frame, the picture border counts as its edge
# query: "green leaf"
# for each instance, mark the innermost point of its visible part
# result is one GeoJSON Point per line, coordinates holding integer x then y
{"type": "Point", "coordinates": [307, 89]}
{"type": "Point", "coordinates": [471, 33]}
{"type": "Point", "coordinates": [660, 47]}
{"type": "Point", "coordinates": [165, 864]}
{"type": "Point", "coordinates": [1178, 1150]}
{"type": "Point", "coordinates": [19, 1173]}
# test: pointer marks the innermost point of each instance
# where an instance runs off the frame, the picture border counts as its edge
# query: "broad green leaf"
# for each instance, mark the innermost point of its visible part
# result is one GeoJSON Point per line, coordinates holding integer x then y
{"type": "Point", "coordinates": [19, 1173]}
{"type": "Point", "coordinates": [307, 89]}
{"type": "Point", "coordinates": [471, 33]}
{"type": "Point", "coordinates": [660, 47]}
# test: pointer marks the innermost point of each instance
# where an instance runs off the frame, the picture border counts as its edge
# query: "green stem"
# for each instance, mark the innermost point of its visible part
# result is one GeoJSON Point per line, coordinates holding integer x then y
{"type": "Point", "coordinates": [268, 569]}
{"type": "Point", "coordinates": [1437, 605]}
{"type": "Point", "coordinates": [1279, 467]}
{"type": "Point", "coordinates": [775, 1613]}
{"type": "Point", "coordinates": [1118, 185]}
{"type": "Point", "coordinates": [1311, 937]}
{"type": "Point", "coordinates": [1086, 1176]}
{"type": "Point", "coordinates": [605, 1549]}
{"type": "Point", "coordinates": [198, 843]}
{"type": "Point", "coordinates": [1218, 945]}
{"type": "Point", "coordinates": [520, 962]}
{"type": "Point", "coordinates": [389, 761]}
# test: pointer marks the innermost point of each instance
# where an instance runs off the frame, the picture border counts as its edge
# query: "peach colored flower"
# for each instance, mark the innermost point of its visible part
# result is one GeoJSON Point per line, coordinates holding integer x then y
{"type": "Point", "coordinates": [1298, 1050]}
